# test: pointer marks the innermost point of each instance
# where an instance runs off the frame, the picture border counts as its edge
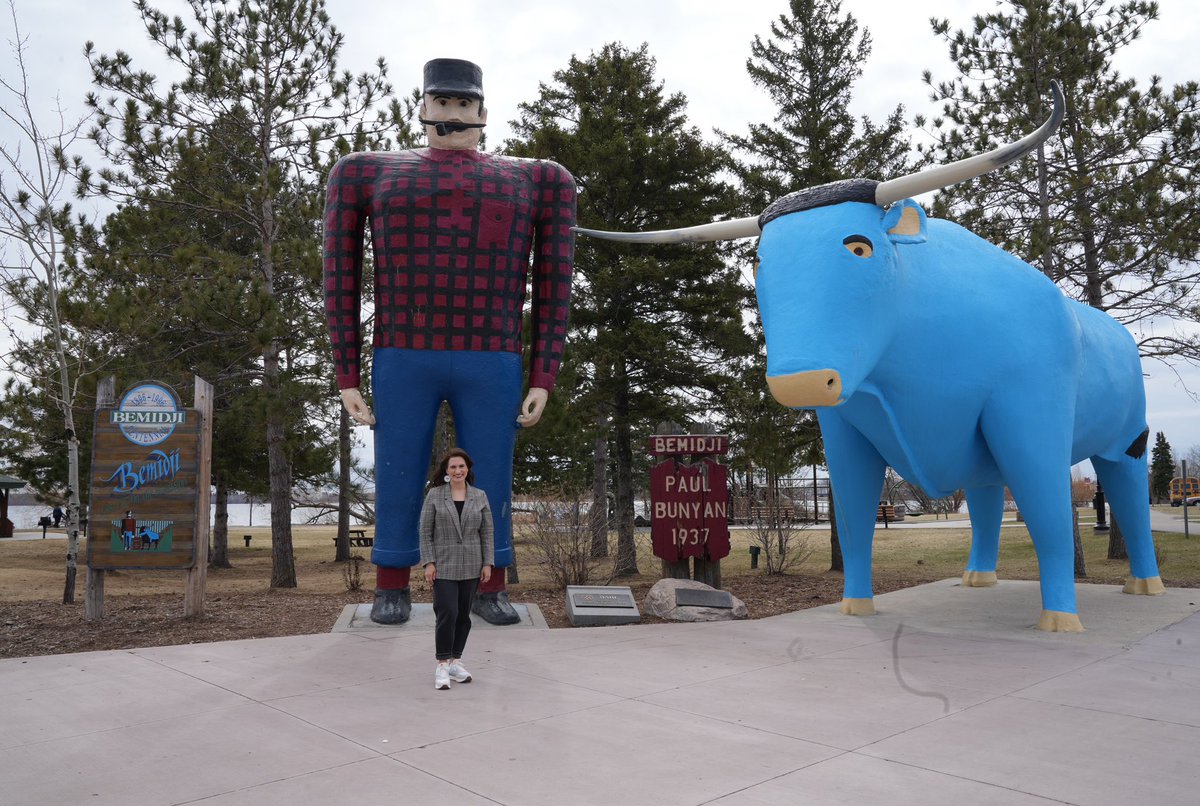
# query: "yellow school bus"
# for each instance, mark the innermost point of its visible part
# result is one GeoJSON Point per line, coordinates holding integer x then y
{"type": "Point", "coordinates": [1184, 488]}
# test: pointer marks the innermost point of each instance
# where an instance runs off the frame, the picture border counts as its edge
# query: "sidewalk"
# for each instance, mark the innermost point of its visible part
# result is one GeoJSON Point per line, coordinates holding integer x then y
{"type": "Point", "coordinates": [946, 696]}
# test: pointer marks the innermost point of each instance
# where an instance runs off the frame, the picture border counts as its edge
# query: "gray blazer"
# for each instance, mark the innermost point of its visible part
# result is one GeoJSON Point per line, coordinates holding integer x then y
{"type": "Point", "coordinates": [459, 548]}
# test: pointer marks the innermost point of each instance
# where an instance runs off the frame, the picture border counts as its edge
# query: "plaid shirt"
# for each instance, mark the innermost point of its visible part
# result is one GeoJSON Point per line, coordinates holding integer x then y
{"type": "Point", "coordinates": [452, 233]}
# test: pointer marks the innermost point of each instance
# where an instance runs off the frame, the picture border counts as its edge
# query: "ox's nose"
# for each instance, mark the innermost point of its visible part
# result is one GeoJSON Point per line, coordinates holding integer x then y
{"type": "Point", "coordinates": [820, 387]}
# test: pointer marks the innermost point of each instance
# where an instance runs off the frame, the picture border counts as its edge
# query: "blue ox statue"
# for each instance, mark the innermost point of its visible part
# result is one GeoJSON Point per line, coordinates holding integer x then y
{"type": "Point", "coordinates": [924, 347]}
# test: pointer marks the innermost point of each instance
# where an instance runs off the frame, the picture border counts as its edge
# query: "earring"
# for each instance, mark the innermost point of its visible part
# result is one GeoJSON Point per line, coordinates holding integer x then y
{"type": "Point", "coordinates": [446, 477]}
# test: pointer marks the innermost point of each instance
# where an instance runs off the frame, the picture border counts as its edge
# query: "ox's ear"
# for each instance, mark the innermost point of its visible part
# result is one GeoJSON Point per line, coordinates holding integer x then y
{"type": "Point", "coordinates": [905, 222]}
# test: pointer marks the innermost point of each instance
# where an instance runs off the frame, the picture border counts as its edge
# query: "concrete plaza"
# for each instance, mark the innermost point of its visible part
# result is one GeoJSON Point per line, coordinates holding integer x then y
{"type": "Point", "coordinates": [946, 696]}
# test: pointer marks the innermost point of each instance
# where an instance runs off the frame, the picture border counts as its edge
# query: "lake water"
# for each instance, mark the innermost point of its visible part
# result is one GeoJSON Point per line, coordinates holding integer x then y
{"type": "Point", "coordinates": [24, 517]}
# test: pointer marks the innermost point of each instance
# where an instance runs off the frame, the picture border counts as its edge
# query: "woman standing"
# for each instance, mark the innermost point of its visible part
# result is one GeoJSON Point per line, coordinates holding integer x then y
{"type": "Point", "coordinates": [457, 552]}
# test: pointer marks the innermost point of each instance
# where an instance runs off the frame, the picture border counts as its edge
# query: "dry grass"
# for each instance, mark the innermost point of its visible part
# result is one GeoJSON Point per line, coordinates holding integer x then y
{"type": "Point", "coordinates": [144, 608]}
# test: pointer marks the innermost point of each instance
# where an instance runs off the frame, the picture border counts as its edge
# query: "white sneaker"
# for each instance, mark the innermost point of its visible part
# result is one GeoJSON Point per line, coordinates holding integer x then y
{"type": "Point", "coordinates": [459, 673]}
{"type": "Point", "coordinates": [441, 677]}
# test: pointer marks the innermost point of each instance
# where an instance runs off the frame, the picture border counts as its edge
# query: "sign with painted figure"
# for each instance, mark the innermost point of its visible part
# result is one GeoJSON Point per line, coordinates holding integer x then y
{"type": "Point", "coordinates": [689, 505]}
{"type": "Point", "coordinates": [144, 482]}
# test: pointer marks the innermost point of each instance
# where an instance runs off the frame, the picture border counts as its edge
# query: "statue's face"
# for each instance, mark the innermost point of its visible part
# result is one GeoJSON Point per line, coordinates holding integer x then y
{"type": "Point", "coordinates": [454, 110]}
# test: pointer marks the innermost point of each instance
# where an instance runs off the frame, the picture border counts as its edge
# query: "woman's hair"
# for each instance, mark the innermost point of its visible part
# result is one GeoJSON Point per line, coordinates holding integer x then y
{"type": "Point", "coordinates": [439, 475]}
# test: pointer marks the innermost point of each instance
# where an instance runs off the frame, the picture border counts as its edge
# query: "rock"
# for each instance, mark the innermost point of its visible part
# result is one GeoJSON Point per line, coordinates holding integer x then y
{"type": "Point", "coordinates": [660, 601]}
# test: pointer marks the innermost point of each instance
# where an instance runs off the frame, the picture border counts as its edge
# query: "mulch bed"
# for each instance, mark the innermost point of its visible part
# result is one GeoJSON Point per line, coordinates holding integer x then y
{"type": "Point", "coordinates": [51, 628]}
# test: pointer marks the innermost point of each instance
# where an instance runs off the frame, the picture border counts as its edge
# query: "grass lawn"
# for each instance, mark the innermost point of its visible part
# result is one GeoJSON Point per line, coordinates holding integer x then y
{"type": "Point", "coordinates": [32, 570]}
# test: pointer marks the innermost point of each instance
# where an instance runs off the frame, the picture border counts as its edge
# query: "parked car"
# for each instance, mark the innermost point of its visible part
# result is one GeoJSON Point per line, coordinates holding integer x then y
{"type": "Point", "coordinates": [1194, 501]}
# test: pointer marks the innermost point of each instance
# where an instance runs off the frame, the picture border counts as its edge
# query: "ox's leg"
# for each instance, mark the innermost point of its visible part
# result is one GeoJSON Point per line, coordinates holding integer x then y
{"type": "Point", "coordinates": [856, 473]}
{"type": "Point", "coordinates": [986, 505]}
{"type": "Point", "coordinates": [1029, 441]}
{"type": "Point", "coordinates": [1126, 486]}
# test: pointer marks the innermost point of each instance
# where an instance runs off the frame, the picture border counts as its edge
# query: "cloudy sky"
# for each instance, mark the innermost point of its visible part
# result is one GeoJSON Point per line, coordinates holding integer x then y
{"type": "Point", "coordinates": [700, 45]}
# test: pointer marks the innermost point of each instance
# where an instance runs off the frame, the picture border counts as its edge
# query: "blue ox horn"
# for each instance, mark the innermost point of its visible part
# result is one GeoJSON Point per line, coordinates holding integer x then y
{"type": "Point", "coordinates": [885, 193]}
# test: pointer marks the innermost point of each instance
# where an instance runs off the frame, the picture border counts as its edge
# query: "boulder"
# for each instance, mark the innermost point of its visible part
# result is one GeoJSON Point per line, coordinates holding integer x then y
{"type": "Point", "coordinates": [660, 601]}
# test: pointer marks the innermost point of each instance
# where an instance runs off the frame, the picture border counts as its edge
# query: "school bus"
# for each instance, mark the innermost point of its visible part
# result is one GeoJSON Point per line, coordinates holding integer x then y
{"type": "Point", "coordinates": [1184, 488]}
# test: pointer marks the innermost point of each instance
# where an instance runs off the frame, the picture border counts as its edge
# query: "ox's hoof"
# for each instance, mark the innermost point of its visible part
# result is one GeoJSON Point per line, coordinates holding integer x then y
{"type": "Point", "coordinates": [858, 607]}
{"type": "Point", "coordinates": [1150, 586]}
{"type": "Point", "coordinates": [978, 579]}
{"type": "Point", "coordinates": [1058, 621]}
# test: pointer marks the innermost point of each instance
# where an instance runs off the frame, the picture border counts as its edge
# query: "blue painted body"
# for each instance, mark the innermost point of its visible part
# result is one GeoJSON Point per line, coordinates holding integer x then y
{"type": "Point", "coordinates": [961, 367]}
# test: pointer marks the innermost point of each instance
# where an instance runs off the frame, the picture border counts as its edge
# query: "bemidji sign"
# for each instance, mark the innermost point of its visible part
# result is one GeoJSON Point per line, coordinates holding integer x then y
{"type": "Point", "coordinates": [145, 461]}
{"type": "Point", "coordinates": [689, 501]}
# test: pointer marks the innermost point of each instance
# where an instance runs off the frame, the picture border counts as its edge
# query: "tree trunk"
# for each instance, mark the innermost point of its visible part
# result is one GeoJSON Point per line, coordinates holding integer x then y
{"type": "Point", "coordinates": [1080, 566]}
{"type": "Point", "coordinates": [599, 515]}
{"type": "Point", "coordinates": [219, 555]}
{"type": "Point", "coordinates": [835, 545]}
{"type": "Point", "coordinates": [626, 564]}
{"type": "Point", "coordinates": [283, 559]}
{"type": "Point", "coordinates": [1116, 540]}
{"type": "Point", "coordinates": [342, 551]}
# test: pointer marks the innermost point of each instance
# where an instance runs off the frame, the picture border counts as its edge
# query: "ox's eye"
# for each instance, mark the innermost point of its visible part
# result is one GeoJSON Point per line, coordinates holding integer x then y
{"type": "Point", "coordinates": [859, 245]}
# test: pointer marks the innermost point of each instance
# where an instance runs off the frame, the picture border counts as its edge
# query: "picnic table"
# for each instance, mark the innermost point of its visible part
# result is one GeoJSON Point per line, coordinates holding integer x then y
{"type": "Point", "coordinates": [359, 537]}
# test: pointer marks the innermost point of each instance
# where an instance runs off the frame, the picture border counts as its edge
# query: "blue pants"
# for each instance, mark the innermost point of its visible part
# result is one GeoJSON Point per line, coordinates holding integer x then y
{"type": "Point", "coordinates": [484, 392]}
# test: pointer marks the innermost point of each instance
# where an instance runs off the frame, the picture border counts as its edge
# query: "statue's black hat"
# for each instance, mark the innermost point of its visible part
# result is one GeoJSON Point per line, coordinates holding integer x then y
{"type": "Point", "coordinates": [457, 78]}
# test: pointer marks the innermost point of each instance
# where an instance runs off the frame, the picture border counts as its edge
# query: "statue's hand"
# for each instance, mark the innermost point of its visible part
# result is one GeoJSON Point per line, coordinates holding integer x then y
{"type": "Point", "coordinates": [531, 409]}
{"type": "Point", "coordinates": [358, 409]}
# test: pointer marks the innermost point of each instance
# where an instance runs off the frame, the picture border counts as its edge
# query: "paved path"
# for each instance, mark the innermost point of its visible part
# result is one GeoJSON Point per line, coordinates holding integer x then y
{"type": "Point", "coordinates": [946, 697]}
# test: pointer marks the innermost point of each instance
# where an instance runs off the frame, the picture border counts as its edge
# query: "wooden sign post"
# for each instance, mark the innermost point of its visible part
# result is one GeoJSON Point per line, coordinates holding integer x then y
{"type": "Point", "coordinates": [149, 503]}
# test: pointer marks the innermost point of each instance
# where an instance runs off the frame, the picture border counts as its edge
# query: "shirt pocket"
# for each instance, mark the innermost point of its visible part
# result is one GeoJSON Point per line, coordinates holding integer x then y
{"type": "Point", "coordinates": [495, 223]}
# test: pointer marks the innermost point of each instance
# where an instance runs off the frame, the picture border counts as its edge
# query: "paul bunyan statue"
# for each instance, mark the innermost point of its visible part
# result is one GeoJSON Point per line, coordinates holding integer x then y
{"type": "Point", "coordinates": [454, 233]}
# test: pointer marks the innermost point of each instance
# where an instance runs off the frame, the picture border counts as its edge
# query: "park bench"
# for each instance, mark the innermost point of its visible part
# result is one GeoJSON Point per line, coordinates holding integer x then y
{"type": "Point", "coordinates": [781, 512]}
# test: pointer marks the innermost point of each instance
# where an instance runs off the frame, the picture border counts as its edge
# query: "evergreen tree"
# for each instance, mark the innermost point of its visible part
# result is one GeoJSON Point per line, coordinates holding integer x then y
{"type": "Point", "coordinates": [808, 66]}
{"type": "Point", "coordinates": [1107, 209]}
{"type": "Point", "coordinates": [262, 90]}
{"type": "Point", "coordinates": [653, 331]}
{"type": "Point", "coordinates": [1162, 468]}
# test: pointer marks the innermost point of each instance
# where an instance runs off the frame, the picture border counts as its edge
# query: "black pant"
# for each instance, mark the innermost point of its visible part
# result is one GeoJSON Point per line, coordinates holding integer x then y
{"type": "Point", "coordinates": [452, 605]}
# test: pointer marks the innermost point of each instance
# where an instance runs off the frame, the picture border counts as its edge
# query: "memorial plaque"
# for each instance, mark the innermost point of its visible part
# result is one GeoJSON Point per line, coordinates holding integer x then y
{"type": "Point", "coordinates": [698, 597]}
{"type": "Point", "coordinates": [620, 599]}
{"type": "Point", "coordinates": [589, 606]}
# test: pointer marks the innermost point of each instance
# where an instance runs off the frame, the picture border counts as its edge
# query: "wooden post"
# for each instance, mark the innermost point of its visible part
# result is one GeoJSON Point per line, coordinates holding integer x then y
{"type": "Point", "coordinates": [197, 575]}
{"type": "Point", "coordinates": [93, 597]}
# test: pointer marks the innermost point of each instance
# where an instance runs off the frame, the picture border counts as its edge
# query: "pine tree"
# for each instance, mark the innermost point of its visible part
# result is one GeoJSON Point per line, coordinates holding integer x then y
{"type": "Point", "coordinates": [263, 74]}
{"type": "Point", "coordinates": [1107, 209]}
{"type": "Point", "coordinates": [1162, 468]}
{"type": "Point", "coordinates": [653, 331]}
{"type": "Point", "coordinates": [808, 66]}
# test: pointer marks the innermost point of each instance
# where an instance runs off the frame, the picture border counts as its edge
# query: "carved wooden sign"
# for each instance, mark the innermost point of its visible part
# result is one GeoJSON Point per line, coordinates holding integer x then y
{"type": "Point", "coordinates": [689, 501]}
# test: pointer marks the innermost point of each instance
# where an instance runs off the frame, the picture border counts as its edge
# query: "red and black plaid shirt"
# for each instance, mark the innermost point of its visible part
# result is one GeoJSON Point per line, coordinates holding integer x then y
{"type": "Point", "coordinates": [452, 233]}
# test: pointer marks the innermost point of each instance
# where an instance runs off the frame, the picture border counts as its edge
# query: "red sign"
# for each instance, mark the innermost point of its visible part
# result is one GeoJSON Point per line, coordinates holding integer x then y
{"type": "Point", "coordinates": [689, 507]}
{"type": "Point", "coordinates": [688, 444]}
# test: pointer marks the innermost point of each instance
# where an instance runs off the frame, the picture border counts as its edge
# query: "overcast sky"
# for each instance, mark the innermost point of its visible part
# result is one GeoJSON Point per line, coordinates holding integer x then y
{"type": "Point", "coordinates": [700, 45]}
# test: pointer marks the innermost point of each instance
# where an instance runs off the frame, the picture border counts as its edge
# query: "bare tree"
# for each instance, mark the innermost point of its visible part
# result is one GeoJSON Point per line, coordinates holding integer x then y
{"type": "Point", "coordinates": [561, 539]}
{"type": "Point", "coordinates": [33, 175]}
{"type": "Point", "coordinates": [780, 537]}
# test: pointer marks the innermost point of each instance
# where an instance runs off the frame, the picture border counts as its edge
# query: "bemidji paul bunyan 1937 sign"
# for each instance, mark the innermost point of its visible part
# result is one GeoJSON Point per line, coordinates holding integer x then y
{"type": "Point", "coordinates": [689, 501]}
{"type": "Point", "coordinates": [145, 459]}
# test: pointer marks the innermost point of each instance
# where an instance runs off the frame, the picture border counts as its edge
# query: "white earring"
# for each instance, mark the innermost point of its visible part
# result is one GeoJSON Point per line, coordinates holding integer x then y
{"type": "Point", "coordinates": [446, 477]}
